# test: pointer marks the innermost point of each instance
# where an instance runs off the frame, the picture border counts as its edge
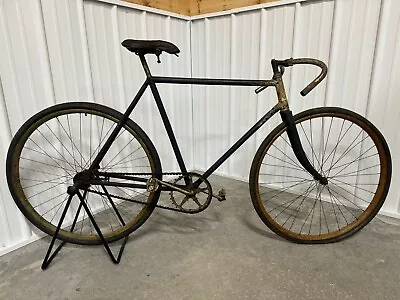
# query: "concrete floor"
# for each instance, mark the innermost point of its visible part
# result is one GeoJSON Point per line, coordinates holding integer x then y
{"type": "Point", "coordinates": [225, 252]}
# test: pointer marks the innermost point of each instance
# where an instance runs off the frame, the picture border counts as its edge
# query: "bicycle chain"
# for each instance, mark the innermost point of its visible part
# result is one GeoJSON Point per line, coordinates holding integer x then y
{"type": "Point", "coordinates": [137, 201]}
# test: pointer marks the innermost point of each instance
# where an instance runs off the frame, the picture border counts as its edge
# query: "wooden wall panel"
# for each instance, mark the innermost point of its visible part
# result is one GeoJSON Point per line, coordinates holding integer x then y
{"type": "Point", "coordinates": [176, 6]}
{"type": "Point", "coordinates": [197, 7]}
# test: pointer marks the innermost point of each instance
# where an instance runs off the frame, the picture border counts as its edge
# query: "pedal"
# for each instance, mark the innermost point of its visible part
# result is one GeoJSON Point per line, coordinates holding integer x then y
{"type": "Point", "coordinates": [221, 195]}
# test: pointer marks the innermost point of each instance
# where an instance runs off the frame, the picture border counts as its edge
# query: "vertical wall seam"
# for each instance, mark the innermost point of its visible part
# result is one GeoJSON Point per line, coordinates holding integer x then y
{"type": "Point", "coordinates": [48, 50]}
{"type": "Point", "coordinates": [192, 139]}
{"type": "Point", "coordinates": [374, 57]}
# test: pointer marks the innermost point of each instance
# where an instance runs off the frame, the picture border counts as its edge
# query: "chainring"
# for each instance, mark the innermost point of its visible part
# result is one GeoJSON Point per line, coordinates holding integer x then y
{"type": "Point", "coordinates": [199, 200]}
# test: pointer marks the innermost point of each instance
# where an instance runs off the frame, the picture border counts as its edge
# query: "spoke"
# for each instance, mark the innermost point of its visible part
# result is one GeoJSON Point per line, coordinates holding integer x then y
{"type": "Point", "coordinates": [59, 204]}
{"type": "Point", "coordinates": [334, 210]}
{"type": "Point", "coordinates": [39, 162]}
{"type": "Point", "coordinates": [350, 194]}
{"type": "Point", "coordinates": [356, 174]}
{"type": "Point", "coordinates": [312, 144]}
{"type": "Point", "coordinates": [61, 143]}
{"type": "Point", "coordinates": [290, 202]}
{"type": "Point", "coordinates": [121, 161]}
{"type": "Point", "coordinates": [45, 153]}
{"type": "Point", "coordinates": [347, 150]}
{"type": "Point", "coordinates": [58, 209]}
{"type": "Point", "coordinates": [312, 210]}
{"type": "Point", "coordinates": [312, 149]}
{"type": "Point", "coordinates": [357, 159]}
{"type": "Point", "coordinates": [51, 144]}
{"type": "Point", "coordinates": [41, 182]}
{"type": "Point", "coordinates": [105, 167]}
{"type": "Point", "coordinates": [72, 143]}
{"type": "Point", "coordinates": [283, 175]}
{"type": "Point", "coordinates": [114, 207]}
{"type": "Point", "coordinates": [48, 200]}
{"type": "Point", "coordinates": [106, 210]}
{"type": "Point", "coordinates": [286, 155]}
{"type": "Point", "coordinates": [333, 201]}
{"type": "Point", "coordinates": [297, 209]}
{"type": "Point", "coordinates": [125, 162]}
{"type": "Point", "coordinates": [345, 206]}
{"type": "Point", "coordinates": [39, 171]}
{"type": "Point", "coordinates": [326, 145]}
{"type": "Point", "coordinates": [295, 165]}
{"type": "Point", "coordinates": [101, 140]}
{"type": "Point", "coordinates": [90, 139]}
{"type": "Point", "coordinates": [289, 181]}
{"type": "Point", "coordinates": [80, 136]}
{"type": "Point", "coordinates": [48, 189]}
{"type": "Point", "coordinates": [272, 165]}
{"type": "Point", "coordinates": [323, 211]}
{"type": "Point", "coordinates": [282, 190]}
{"type": "Point", "coordinates": [338, 141]}
{"type": "Point", "coordinates": [348, 184]}
{"type": "Point", "coordinates": [70, 137]}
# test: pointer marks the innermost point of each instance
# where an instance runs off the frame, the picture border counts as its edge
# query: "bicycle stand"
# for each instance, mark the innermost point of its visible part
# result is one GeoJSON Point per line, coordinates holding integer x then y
{"type": "Point", "coordinates": [49, 257]}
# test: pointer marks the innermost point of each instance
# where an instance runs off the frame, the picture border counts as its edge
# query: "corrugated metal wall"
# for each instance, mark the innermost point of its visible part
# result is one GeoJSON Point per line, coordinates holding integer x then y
{"type": "Point", "coordinates": [357, 38]}
{"type": "Point", "coordinates": [69, 50]}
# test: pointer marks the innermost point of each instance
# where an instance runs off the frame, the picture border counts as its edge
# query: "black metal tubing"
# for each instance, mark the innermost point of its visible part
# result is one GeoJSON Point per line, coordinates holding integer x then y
{"type": "Point", "coordinates": [212, 81]}
{"type": "Point", "coordinates": [151, 81]}
{"type": "Point", "coordinates": [117, 129]}
{"type": "Point", "coordinates": [241, 141]}
{"type": "Point", "coordinates": [298, 150]}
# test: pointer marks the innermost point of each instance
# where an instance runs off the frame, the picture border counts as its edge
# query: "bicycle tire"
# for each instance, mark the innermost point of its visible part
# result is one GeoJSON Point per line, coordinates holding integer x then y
{"type": "Point", "coordinates": [336, 188]}
{"type": "Point", "coordinates": [68, 111]}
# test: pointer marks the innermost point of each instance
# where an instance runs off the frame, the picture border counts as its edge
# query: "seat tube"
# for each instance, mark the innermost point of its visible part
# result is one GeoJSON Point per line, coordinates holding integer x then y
{"type": "Point", "coordinates": [168, 127]}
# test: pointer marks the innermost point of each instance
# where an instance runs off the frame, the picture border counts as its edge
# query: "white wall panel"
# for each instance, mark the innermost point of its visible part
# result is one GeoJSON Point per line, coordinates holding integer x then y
{"type": "Point", "coordinates": [57, 51]}
{"type": "Point", "coordinates": [358, 39]}
{"type": "Point", "coordinates": [69, 50]}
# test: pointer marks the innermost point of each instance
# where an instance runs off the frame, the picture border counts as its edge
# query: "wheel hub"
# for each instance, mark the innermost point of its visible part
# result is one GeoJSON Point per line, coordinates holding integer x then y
{"type": "Point", "coordinates": [82, 179]}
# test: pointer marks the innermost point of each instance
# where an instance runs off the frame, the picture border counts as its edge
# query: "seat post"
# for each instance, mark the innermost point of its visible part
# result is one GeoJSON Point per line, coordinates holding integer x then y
{"type": "Point", "coordinates": [144, 64]}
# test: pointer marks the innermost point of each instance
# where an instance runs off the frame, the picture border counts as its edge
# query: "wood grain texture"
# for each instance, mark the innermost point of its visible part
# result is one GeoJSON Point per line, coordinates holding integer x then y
{"type": "Point", "coordinates": [176, 6]}
{"type": "Point", "coordinates": [197, 7]}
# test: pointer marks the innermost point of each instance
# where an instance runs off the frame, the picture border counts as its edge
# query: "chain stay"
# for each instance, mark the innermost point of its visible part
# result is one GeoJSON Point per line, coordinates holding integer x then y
{"type": "Point", "coordinates": [138, 201]}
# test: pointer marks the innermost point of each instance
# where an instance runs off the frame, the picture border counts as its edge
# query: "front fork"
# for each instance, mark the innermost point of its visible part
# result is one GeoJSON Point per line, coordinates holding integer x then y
{"type": "Point", "coordinates": [287, 118]}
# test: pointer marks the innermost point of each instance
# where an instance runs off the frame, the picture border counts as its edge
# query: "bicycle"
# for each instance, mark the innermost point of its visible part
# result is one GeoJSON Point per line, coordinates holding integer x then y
{"type": "Point", "coordinates": [318, 177]}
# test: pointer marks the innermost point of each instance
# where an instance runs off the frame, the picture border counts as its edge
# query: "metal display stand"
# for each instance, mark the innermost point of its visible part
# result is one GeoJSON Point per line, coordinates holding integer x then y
{"type": "Point", "coordinates": [71, 191]}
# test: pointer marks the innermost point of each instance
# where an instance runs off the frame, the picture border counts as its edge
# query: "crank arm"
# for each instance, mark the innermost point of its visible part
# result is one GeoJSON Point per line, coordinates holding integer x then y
{"type": "Point", "coordinates": [173, 187]}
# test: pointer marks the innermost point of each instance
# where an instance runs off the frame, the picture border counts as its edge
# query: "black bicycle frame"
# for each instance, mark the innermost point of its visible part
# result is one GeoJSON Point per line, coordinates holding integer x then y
{"type": "Point", "coordinates": [153, 80]}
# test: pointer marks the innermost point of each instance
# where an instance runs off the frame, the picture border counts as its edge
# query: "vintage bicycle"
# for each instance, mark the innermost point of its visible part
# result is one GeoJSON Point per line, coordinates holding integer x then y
{"type": "Point", "coordinates": [85, 173]}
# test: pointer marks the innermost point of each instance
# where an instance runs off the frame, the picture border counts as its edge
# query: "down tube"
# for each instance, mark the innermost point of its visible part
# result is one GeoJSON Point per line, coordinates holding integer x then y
{"type": "Point", "coordinates": [241, 141]}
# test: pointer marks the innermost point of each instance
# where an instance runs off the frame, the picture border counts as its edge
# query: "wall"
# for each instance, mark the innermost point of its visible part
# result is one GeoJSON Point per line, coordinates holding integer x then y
{"type": "Point", "coordinates": [69, 50]}
{"type": "Point", "coordinates": [197, 7]}
{"type": "Point", "coordinates": [357, 38]}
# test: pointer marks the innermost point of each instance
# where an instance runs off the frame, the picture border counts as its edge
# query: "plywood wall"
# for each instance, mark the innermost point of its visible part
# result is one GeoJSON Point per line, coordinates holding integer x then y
{"type": "Point", "coordinates": [176, 6]}
{"type": "Point", "coordinates": [197, 7]}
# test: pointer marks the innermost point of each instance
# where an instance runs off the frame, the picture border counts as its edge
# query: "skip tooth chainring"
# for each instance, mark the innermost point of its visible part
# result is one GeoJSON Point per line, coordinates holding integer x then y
{"type": "Point", "coordinates": [199, 200]}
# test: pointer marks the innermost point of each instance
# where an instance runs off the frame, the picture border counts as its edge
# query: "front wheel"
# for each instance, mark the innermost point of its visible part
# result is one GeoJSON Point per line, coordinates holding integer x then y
{"type": "Point", "coordinates": [345, 148]}
{"type": "Point", "coordinates": [55, 145]}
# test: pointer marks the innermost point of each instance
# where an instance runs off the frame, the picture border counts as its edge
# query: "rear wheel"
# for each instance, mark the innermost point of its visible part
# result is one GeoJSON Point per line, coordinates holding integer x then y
{"type": "Point", "coordinates": [346, 149]}
{"type": "Point", "coordinates": [59, 142]}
